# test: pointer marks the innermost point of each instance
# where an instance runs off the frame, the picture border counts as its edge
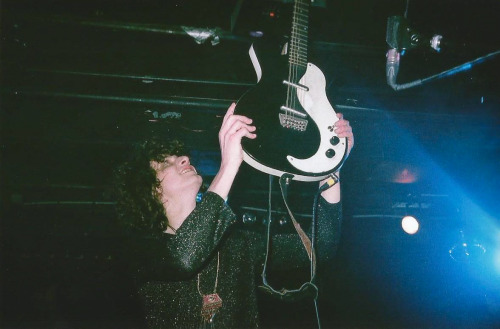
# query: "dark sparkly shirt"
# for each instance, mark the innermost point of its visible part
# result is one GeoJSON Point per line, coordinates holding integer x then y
{"type": "Point", "coordinates": [167, 266]}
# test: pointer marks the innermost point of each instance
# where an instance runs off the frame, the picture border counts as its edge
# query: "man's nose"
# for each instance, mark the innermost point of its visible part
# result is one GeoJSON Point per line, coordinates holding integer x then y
{"type": "Point", "coordinates": [183, 160]}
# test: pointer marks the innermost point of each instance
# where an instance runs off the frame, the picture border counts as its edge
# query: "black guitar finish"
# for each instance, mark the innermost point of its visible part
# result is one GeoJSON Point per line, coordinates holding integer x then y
{"type": "Point", "coordinates": [290, 110]}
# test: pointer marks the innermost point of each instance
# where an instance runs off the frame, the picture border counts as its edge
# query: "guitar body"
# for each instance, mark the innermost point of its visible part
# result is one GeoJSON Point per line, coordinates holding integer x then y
{"type": "Point", "coordinates": [294, 122]}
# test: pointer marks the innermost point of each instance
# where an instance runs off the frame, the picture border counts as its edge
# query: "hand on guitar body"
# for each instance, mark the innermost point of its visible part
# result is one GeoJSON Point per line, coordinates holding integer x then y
{"type": "Point", "coordinates": [342, 129]}
{"type": "Point", "coordinates": [234, 128]}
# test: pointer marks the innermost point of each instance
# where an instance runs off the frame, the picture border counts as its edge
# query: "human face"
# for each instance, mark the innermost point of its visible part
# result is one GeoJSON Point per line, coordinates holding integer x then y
{"type": "Point", "coordinates": [178, 178]}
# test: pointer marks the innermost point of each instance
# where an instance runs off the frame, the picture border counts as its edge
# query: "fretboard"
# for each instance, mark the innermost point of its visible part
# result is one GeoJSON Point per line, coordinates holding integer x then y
{"type": "Point", "coordinates": [299, 35]}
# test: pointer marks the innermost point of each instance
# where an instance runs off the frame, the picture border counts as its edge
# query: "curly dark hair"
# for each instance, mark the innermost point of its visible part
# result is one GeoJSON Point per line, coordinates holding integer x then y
{"type": "Point", "coordinates": [136, 186]}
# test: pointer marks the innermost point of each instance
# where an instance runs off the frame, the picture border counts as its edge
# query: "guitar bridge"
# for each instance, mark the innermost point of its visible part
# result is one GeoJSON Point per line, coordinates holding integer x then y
{"type": "Point", "coordinates": [290, 122]}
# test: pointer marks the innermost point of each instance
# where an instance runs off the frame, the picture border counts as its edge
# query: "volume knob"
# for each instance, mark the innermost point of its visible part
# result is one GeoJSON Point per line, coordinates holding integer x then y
{"type": "Point", "coordinates": [330, 153]}
{"type": "Point", "coordinates": [334, 140]}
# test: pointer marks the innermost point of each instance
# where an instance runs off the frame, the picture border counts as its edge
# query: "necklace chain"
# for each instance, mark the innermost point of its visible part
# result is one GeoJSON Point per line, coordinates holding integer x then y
{"type": "Point", "coordinates": [216, 276]}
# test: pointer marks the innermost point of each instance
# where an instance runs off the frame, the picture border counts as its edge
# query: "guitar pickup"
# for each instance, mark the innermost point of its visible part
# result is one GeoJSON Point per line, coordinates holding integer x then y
{"type": "Point", "coordinates": [295, 112]}
{"type": "Point", "coordinates": [296, 85]}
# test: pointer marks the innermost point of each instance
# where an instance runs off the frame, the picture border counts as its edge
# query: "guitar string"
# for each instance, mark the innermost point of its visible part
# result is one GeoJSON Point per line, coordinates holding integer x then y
{"type": "Point", "coordinates": [305, 44]}
{"type": "Point", "coordinates": [295, 60]}
{"type": "Point", "coordinates": [300, 8]}
{"type": "Point", "coordinates": [295, 54]}
{"type": "Point", "coordinates": [298, 37]}
{"type": "Point", "coordinates": [290, 69]}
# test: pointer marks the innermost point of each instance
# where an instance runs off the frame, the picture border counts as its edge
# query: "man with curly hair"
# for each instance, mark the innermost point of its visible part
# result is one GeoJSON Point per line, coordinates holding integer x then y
{"type": "Point", "coordinates": [192, 266]}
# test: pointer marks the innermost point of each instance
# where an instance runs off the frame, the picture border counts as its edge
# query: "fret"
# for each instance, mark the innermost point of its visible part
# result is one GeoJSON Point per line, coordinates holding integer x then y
{"type": "Point", "coordinates": [299, 28]}
{"type": "Point", "coordinates": [298, 63]}
{"type": "Point", "coordinates": [300, 34]}
{"type": "Point", "coordinates": [302, 53]}
{"type": "Point", "coordinates": [301, 56]}
{"type": "Point", "coordinates": [298, 41]}
{"type": "Point", "coordinates": [299, 49]}
{"type": "Point", "coordinates": [298, 58]}
{"type": "Point", "coordinates": [302, 17]}
{"type": "Point", "coordinates": [298, 55]}
{"type": "Point", "coordinates": [298, 45]}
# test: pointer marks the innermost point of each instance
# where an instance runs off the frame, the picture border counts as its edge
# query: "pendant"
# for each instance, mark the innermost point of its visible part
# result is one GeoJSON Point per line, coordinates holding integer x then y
{"type": "Point", "coordinates": [211, 304]}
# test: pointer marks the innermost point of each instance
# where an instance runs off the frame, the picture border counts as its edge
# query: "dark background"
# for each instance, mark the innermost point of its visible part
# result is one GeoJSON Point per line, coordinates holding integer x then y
{"type": "Point", "coordinates": [83, 80]}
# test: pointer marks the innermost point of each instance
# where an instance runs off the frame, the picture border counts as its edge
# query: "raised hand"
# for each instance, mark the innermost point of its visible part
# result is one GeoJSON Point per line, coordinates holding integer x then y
{"type": "Point", "coordinates": [344, 129]}
{"type": "Point", "coordinates": [233, 129]}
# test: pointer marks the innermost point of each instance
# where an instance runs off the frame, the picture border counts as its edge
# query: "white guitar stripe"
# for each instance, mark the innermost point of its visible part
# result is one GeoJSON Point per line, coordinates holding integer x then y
{"type": "Point", "coordinates": [316, 104]}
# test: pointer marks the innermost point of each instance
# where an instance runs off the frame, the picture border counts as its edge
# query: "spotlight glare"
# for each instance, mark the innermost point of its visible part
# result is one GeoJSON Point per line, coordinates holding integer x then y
{"type": "Point", "coordinates": [409, 224]}
{"type": "Point", "coordinates": [496, 261]}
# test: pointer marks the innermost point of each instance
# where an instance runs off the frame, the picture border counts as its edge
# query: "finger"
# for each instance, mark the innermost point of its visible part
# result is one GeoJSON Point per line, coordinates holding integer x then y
{"type": "Point", "coordinates": [223, 127]}
{"type": "Point", "coordinates": [246, 131]}
{"type": "Point", "coordinates": [344, 131]}
{"type": "Point", "coordinates": [231, 121]}
{"type": "Point", "coordinates": [238, 132]}
{"type": "Point", "coordinates": [340, 116]}
{"type": "Point", "coordinates": [341, 128]}
{"type": "Point", "coordinates": [234, 117]}
{"type": "Point", "coordinates": [229, 112]}
{"type": "Point", "coordinates": [341, 122]}
{"type": "Point", "coordinates": [233, 125]}
{"type": "Point", "coordinates": [235, 140]}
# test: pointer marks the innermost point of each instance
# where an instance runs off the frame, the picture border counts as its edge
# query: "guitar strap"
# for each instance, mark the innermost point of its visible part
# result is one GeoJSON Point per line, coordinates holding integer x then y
{"type": "Point", "coordinates": [284, 181]}
{"type": "Point", "coordinates": [308, 288]}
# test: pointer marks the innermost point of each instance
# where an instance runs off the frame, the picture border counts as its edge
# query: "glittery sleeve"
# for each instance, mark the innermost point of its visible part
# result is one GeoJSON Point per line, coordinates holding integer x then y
{"type": "Point", "coordinates": [180, 256]}
{"type": "Point", "coordinates": [288, 251]}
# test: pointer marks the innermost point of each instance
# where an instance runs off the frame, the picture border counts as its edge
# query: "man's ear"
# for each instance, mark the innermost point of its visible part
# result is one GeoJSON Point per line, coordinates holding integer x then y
{"type": "Point", "coordinates": [154, 164]}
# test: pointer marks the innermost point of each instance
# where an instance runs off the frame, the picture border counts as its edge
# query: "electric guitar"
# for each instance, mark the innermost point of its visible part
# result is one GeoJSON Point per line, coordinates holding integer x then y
{"type": "Point", "coordinates": [290, 110]}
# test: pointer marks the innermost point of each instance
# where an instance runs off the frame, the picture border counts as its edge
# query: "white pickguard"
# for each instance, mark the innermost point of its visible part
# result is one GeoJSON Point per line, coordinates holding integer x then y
{"type": "Point", "coordinates": [316, 104]}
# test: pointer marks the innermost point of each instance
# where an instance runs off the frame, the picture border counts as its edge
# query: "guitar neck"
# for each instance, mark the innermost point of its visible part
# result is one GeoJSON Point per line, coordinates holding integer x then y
{"type": "Point", "coordinates": [299, 35]}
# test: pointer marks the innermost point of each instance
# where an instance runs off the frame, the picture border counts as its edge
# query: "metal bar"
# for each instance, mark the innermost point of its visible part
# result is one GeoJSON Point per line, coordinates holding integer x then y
{"type": "Point", "coordinates": [91, 203]}
{"type": "Point", "coordinates": [178, 101]}
{"type": "Point", "coordinates": [300, 114]}
{"type": "Point", "coordinates": [144, 78]}
{"type": "Point", "coordinates": [154, 28]}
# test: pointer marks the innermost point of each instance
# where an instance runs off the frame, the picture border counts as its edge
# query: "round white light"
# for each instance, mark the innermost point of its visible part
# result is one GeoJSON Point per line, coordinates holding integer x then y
{"type": "Point", "coordinates": [409, 224]}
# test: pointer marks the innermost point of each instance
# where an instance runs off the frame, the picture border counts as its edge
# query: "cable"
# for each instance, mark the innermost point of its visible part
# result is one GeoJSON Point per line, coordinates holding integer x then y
{"type": "Point", "coordinates": [392, 68]}
{"type": "Point", "coordinates": [407, 6]}
{"type": "Point", "coordinates": [268, 232]}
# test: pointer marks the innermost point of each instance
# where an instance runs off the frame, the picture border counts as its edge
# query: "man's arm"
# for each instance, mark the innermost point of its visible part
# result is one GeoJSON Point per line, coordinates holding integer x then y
{"type": "Point", "coordinates": [233, 129]}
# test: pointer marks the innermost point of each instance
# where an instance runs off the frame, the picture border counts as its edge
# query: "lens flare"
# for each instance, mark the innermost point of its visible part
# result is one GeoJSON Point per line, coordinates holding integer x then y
{"type": "Point", "coordinates": [410, 224]}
